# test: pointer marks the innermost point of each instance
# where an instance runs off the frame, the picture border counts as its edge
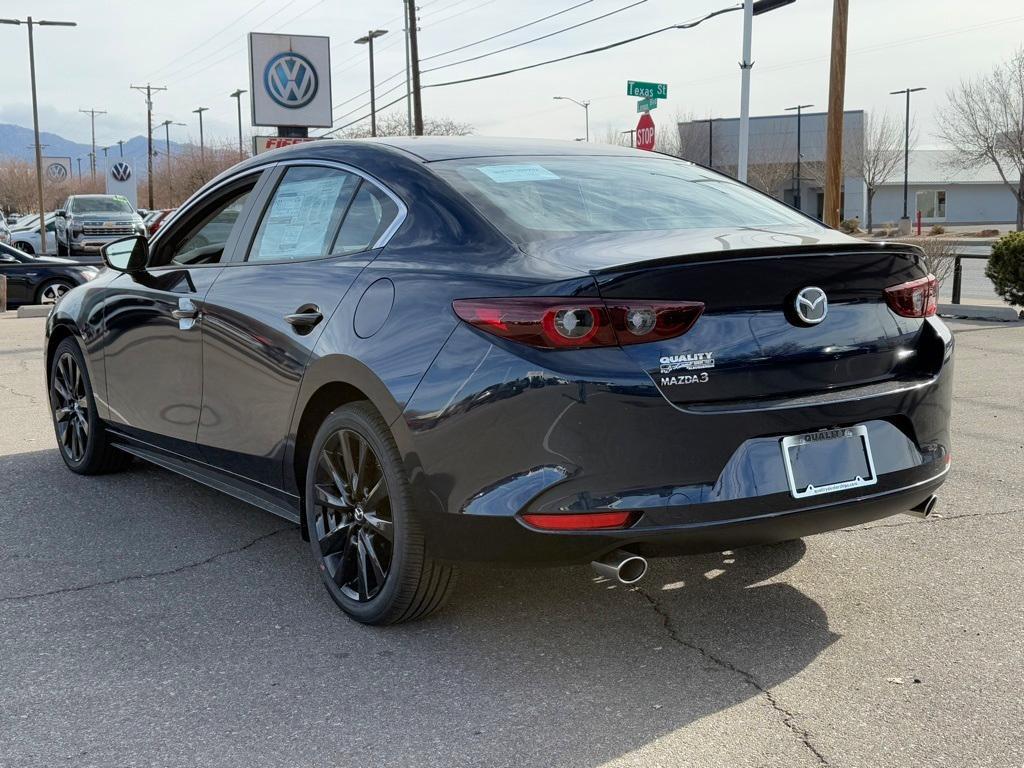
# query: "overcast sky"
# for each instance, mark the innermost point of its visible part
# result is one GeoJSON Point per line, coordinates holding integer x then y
{"type": "Point", "coordinates": [197, 49]}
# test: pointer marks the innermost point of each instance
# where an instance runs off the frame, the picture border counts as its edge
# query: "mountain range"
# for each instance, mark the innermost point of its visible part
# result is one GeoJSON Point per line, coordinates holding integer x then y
{"type": "Point", "coordinates": [18, 142]}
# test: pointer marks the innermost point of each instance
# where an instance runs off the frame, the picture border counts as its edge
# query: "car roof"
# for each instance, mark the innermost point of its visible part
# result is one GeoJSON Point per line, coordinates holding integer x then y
{"type": "Point", "coordinates": [433, 148]}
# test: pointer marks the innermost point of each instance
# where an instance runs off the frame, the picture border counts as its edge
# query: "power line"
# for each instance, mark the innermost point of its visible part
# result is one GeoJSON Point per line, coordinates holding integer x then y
{"type": "Point", "coordinates": [378, 82]}
{"type": "Point", "coordinates": [364, 117]}
{"type": "Point", "coordinates": [609, 46]}
{"type": "Point", "coordinates": [507, 31]}
{"type": "Point", "coordinates": [477, 7]}
{"type": "Point", "coordinates": [536, 39]}
{"type": "Point", "coordinates": [211, 37]}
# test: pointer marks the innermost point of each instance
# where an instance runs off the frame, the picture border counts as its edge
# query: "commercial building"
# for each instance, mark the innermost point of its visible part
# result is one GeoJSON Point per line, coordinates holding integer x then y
{"type": "Point", "coordinates": [943, 194]}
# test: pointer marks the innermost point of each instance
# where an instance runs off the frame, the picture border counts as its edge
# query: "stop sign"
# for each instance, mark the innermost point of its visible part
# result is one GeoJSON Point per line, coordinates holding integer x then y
{"type": "Point", "coordinates": [645, 132]}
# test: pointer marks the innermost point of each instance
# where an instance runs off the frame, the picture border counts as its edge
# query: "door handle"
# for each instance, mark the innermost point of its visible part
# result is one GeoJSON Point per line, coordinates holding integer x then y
{"type": "Point", "coordinates": [305, 319]}
{"type": "Point", "coordinates": [186, 314]}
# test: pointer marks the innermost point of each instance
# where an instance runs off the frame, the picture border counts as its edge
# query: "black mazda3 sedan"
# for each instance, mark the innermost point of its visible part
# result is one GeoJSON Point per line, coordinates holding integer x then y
{"type": "Point", "coordinates": [430, 350]}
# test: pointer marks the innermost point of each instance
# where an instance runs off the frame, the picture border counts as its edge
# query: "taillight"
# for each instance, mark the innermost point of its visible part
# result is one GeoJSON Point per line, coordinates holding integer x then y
{"type": "Point", "coordinates": [555, 323]}
{"type": "Point", "coordinates": [590, 521]}
{"type": "Point", "coordinates": [918, 298]}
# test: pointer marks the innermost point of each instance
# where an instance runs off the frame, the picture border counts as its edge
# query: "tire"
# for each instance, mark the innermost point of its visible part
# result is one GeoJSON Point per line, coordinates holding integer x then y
{"type": "Point", "coordinates": [81, 437]}
{"type": "Point", "coordinates": [53, 291]}
{"type": "Point", "coordinates": [350, 518]}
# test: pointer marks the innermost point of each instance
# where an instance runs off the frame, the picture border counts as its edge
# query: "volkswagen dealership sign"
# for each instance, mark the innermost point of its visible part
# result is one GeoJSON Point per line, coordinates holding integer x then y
{"type": "Point", "coordinates": [56, 169]}
{"type": "Point", "coordinates": [290, 80]}
{"type": "Point", "coordinates": [121, 181]}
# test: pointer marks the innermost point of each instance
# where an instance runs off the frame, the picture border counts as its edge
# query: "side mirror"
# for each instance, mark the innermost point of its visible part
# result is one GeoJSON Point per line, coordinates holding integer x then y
{"type": "Point", "coordinates": [61, 213]}
{"type": "Point", "coordinates": [129, 254]}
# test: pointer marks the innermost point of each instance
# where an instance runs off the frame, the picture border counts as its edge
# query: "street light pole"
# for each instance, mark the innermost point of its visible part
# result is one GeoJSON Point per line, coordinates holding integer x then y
{"type": "Point", "coordinates": [35, 114]}
{"type": "Point", "coordinates": [750, 10]}
{"type": "Point", "coordinates": [586, 110]}
{"type": "Point", "coordinates": [237, 96]}
{"type": "Point", "coordinates": [202, 147]}
{"type": "Point", "coordinates": [799, 114]}
{"type": "Point", "coordinates": [367, 40]}
{"type": "Point", "coordinates": [92, 119]}
{"type": "Point", "coordinates": [906, 154]}
{"type": "Point", "coordinates": [167, 144]}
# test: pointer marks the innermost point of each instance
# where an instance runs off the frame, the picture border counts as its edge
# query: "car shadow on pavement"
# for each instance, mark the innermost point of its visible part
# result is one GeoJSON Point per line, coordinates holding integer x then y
{"type": "Point", "coordinates": [179, 622]}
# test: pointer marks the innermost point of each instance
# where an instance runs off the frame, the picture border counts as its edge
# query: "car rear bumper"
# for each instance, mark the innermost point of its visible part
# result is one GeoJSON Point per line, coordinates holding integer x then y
{"type": "Point", "coordinates": [492, 434]}
{"type": "Point", "coordinates": [509, 540]}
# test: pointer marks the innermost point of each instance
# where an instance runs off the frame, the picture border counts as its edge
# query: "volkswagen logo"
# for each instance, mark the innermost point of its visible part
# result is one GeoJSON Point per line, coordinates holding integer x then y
{"type": "Point", "coordinates": [121, 171]}
{"type": "Point", "coordinates": [56, 172]}
{"type": "Point", "coordinates": [811, 305]}
{"type": "Point", "coordinates": [290, 80]}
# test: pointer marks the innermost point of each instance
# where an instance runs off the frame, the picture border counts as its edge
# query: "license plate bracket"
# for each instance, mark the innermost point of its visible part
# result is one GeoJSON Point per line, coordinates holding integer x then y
{"type": "Point", "coordinates": [828, 461]}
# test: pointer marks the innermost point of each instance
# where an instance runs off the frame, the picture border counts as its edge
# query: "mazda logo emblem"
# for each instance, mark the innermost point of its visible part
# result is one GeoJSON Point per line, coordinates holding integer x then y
{"type": "Point", "coordinates": [290, 80]}
{"type": "Point", "coordinates": [121, 171]}
{"type": "Point", "coordinates": [56, 172]}
{"type": "Point", "coordinates": [811, 305]}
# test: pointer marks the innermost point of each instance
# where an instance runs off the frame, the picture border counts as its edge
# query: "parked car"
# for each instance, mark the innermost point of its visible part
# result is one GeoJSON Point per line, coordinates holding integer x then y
{"type": "Point", "coordinates": [5, 232]}
{"type": "Point", "coordinates": [27, 238]}
{"type": "Point", "coordinates": [155, 219]}
{"type": "Point", "coordinates": [431, 350]}
{"type": "Point", "coordinates": [88, 222]}
{"type": "Point", "coordinates": [40, 279]}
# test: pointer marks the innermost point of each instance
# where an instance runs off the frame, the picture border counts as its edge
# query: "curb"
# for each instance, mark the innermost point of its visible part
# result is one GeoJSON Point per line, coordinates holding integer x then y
{"type": "Point", "coordinates": [976, 312]}
{"type": "Point", "coordinates": [34, 310]}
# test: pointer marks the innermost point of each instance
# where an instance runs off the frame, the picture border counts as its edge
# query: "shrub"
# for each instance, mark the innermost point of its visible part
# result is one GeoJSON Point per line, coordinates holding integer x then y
{"type": "Point", "coordinates": [939, 257]}
{"type": "Point", "coordinates": [937, 229]}
{"type": "Point", "coordinates": [989, 233]}
{"type": "Point", "coordinates": [1006, 267]}
{"type": "Point", "coordinates": [850, 226]}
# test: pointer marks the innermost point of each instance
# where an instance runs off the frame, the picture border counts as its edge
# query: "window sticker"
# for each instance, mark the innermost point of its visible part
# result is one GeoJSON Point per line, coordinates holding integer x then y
{"type": "Point", "coordinates": [503, 174]}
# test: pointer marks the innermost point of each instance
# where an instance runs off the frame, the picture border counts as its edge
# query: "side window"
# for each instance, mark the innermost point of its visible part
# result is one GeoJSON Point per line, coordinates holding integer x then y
{"type": "Point", "coordinates": [369, 216]}
{"type": "Point", "coordinates": [304, 214]}
{"type": "Point", "coordinates": [200, 238]}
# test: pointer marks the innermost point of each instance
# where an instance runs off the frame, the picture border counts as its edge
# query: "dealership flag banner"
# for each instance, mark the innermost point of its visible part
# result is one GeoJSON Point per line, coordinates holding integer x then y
{"type": "Point", "coordinates": [121, 181]}
{"type": "Point", "coordinates": [56, 169]}
{"type": "Point", "coordinates": [290, 80]}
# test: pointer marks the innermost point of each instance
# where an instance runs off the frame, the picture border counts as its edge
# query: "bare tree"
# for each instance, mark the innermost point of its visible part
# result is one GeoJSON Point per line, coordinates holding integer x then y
{"type": "Point", "coordinates": [880, 156]}
{"type": "Point", "coordinates": [939, 258]}
{"type": "Point", "coordinates": [396, 124]}
{"type": "Point", "coordinates": [984, 122]}
{"type": "Point", "coordinates": [773, 165]}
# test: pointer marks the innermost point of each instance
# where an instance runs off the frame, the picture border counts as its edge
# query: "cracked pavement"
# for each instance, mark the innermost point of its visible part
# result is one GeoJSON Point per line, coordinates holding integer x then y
{"type": "Point", "coordinates": [148, 621]}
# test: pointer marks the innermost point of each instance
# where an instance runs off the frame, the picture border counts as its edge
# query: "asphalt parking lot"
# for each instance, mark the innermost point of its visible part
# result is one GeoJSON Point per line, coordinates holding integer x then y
{"type": "Point", "coordinates": [148, 621]}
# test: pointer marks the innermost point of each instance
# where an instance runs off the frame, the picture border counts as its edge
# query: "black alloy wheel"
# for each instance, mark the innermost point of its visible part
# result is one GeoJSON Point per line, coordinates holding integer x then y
{"type": "Point", "coordinates": [70, 408]}
{"type": "Point", "coordinates": [81, 435]}
{"type": "Point", "coordinates": [354, 529]}
{"type": "Point", "coordinates": [364, 533]}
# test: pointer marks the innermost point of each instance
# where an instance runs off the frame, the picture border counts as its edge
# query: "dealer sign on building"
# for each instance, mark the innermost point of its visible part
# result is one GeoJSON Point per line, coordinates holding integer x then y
{"type": "Point", "coordinates": [290, 80]}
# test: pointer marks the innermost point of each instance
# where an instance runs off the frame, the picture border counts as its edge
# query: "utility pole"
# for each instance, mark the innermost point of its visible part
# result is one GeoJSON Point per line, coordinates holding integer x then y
{"type": "Point", "coordinates": [92, 119]}
{"type": "Point", "coordinates": [368, 39]}
{"type": "Point", "coordinates": [79, 168]}
{"type": "Point", "coordinates": [120, 146]}
{"type": "Point", "coordinates": [408, 80]}
{"type": "Point", "coordinates": [35, 114]}
{"type": "Point", "coordinates": [414, 61]}
{"type": "Point", "coordinates": [202, 147]}
{"type": "Point", "coordinates": [834, 132]}
{"type": "Point", "coordinates": [237, 96]}
{"type": "Point", "coordinates": [799, 113]}
{"type": "Point", "coordinates": [167, 144]}
{"type": "Point", "coordinates": [148, 89]}
{"type": "Point", "coordinates": [905, 221]}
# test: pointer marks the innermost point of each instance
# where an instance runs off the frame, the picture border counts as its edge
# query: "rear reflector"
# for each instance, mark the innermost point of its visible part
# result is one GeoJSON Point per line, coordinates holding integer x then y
{"type": "Point", "coordinates": [918, 298]}
{"type": "Point", "coordinates": [559, 323]}
{"type": "Point", "coordinates": [591, 521]}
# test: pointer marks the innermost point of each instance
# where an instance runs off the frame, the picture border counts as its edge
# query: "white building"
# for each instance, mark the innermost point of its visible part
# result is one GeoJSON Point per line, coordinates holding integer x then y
{"type": "Point", "coordinates": [942, 194]}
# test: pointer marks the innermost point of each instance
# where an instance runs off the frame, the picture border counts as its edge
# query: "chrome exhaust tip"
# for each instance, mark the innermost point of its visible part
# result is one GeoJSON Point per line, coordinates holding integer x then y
{"type": "Point", "coordinates": [624, 567]}
{"type": "Point", "coordinates": [925, 508]}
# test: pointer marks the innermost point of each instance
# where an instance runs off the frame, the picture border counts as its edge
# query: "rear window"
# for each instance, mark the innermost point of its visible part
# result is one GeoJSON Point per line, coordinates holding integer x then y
{"type": "Point", "coordinates": [544, 197]}
{"type": "Point", "coordinates": [101, 205]}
